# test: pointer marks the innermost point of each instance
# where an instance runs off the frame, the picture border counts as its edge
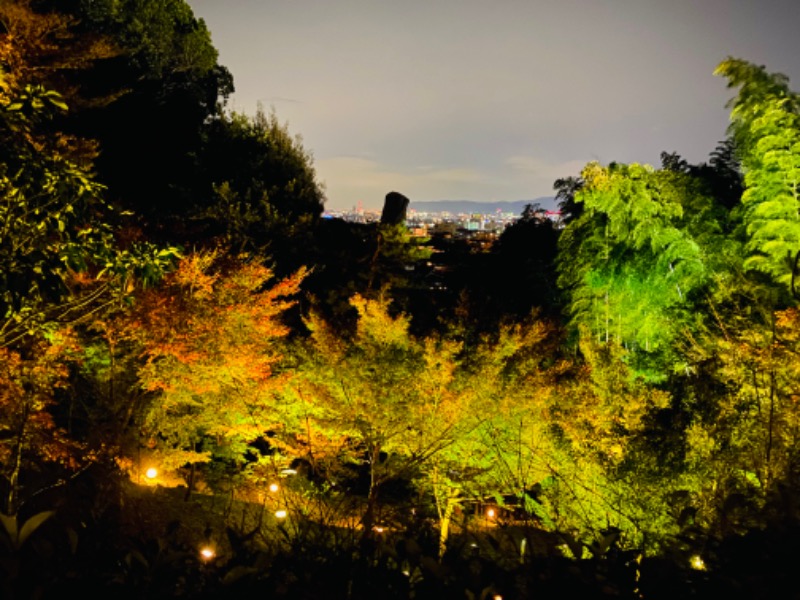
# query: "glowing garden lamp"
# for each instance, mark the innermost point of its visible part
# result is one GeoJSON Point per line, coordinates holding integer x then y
{"type": "Point", "coordinates": [274, 487]}
{"type": "Point", "coordinates": [207, 553]}
{"type": "Point", "coordinates": [697, 563]}
{"type": "Point", "coordinates": [151, 473]}
{"type": "Point", "coordinates": [491, 513]}
{"type": "Point", "coordinates": [280, 514]}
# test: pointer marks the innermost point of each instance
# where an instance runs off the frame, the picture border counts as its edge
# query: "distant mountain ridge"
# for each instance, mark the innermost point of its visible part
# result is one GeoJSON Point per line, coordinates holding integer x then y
{"type": "Point", "coordinates": [471, 206]}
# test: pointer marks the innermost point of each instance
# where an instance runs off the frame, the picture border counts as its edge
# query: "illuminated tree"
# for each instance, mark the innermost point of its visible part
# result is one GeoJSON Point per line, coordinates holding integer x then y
{"type": "Point", "coordinates": [46, 47]}
{"type": "Point", "coordinates": [30, 440]}
{"type": "Point", "coordinates": [209, 339]}
{"type": "Point", "coordinates": [59, 260]}
{"type": "Point", "coordinates": [633, 263]}
{"type": "Point", "coordinates": [765, 124]}
{"type": "Point", "coordinates": [745, 422]}
{"type": "Point", "coordinates": [608, 472]}
{"type": "Point", "coordinates": [390, 401]}
{"type": "Point", "coordinates": [504, 449]}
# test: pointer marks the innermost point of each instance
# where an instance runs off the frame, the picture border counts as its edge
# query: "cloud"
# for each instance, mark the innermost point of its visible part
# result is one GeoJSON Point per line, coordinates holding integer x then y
{"type": "Point", "coordinates": [271, 100]}
{"type": "Point", "coordinates": [349, 180]}
{"type": "Point", "coordinates": [535, 167]}
{"type": "Point", "coordinates": [540, 174]}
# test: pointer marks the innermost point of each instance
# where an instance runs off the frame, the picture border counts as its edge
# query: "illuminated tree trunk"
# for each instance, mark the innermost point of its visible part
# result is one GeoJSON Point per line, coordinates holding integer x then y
{"type": "Point", "coordinates": [16, 462]}
{"type": "Point", "coordinates": [368, 520]}
{"type": "Point", "coordinates": [445, 519]}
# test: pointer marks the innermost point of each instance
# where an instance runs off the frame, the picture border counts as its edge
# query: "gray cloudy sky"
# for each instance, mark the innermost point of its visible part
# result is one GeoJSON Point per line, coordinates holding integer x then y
{"type": "Point", "coordinates": [491, 100]}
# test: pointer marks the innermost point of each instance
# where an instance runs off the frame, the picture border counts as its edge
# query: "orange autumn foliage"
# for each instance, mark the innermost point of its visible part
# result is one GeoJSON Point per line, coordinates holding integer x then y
{"type": "Point", "coordinates": [209, 343]}
{"type": "Point", "coordinates": [29, 436]}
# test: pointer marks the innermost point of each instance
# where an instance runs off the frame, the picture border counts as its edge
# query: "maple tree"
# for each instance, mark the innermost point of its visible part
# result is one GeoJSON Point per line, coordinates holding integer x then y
{"type": "Point", "coordinates": [439, 412]}
{"type": "Point", "coordinates": [742, 439]}
{"type": "Point", "coordinates": [208, 337]}
{"type": "Point", "coordinates": [385, 400]}
{"type": "Point", "coordinates": [30, 439]}
{"type": "Point", "coordinates": [501, 451]}
{"type": "Point", "coordinates": [43, 47]}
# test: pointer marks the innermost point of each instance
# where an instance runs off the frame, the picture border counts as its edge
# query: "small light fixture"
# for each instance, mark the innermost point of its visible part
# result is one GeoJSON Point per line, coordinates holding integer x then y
{"type": "Point", "coordinates": [378, 529]}
{"type": "Point", "coordinates": [281, 514]}
{"type": "Point", "coordinates": [207, 553]}
{"type": "Point", "coordinates": [491, 513]}
{"type": "Point", "coordinates": [151, 473]}
{"type": "Point", "coordinates": [274, 487]}
{"type": "Point", "coordinates": [697, 563]}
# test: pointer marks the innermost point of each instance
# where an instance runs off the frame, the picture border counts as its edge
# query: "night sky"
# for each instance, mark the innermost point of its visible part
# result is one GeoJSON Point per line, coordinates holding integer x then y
{"type": "Point", "coordinates": [492, 100]}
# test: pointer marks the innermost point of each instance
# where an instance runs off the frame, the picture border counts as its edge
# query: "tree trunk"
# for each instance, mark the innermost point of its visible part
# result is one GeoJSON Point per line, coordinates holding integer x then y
{"type": "Point", "coordinates": [445, 518]}
{"type": "Point", "coordinates": [190, 483]}
{"type": "Point", "coordinates": [368, 520]}
{"type": "Point", "coordinates": [13, 479]}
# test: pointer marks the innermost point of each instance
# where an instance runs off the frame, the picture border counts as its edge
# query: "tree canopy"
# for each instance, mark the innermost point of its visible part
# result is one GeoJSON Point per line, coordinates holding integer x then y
{"type": "Point", "coordinates": [616, 385]}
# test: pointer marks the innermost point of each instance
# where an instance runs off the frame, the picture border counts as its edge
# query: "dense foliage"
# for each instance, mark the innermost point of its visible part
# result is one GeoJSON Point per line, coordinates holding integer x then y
{"type": "Point", "coordinates": [189, 355]}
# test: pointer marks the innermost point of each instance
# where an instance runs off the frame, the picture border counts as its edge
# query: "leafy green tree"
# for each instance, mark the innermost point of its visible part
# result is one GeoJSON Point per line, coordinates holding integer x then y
{"type": "Point", "coordinates": [765, 126]}
{"type": "Point", "coordinates": [503, 450]}
{"type": "Point", "coordinates": [54, 228]}
{"type": "Point", "coordinates": [258, 190]}
{"type": "Point", "coordinates": [462, 420]}
{"type": "Point", "coordinates": [566, 188]}
{"type": "Point", "coordinates": [604, 474]}
{"type": "Point", "coordinates": [146, 102]}
{"type": "Point", "coordinates": [633, 263]}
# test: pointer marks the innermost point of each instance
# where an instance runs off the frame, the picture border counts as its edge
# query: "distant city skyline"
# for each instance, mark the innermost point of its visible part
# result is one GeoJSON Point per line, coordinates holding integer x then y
{"type": "Point", "coordinates": [491, 101]}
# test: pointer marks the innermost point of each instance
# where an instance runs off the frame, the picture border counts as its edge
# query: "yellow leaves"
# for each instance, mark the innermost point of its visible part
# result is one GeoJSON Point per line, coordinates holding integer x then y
{"type": "Point", "coordinates": [376, 326]}
{"type": "Point", "coordinates": [325, 340]}
{"type": "Point", "coordinates": [440, 363]}
{"type": "Point", "coordinates": [37, 46]}
{"type": "Point", "coordinates": [701, 444]}
{"type": "Point", "coordinates": [595, 176]}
